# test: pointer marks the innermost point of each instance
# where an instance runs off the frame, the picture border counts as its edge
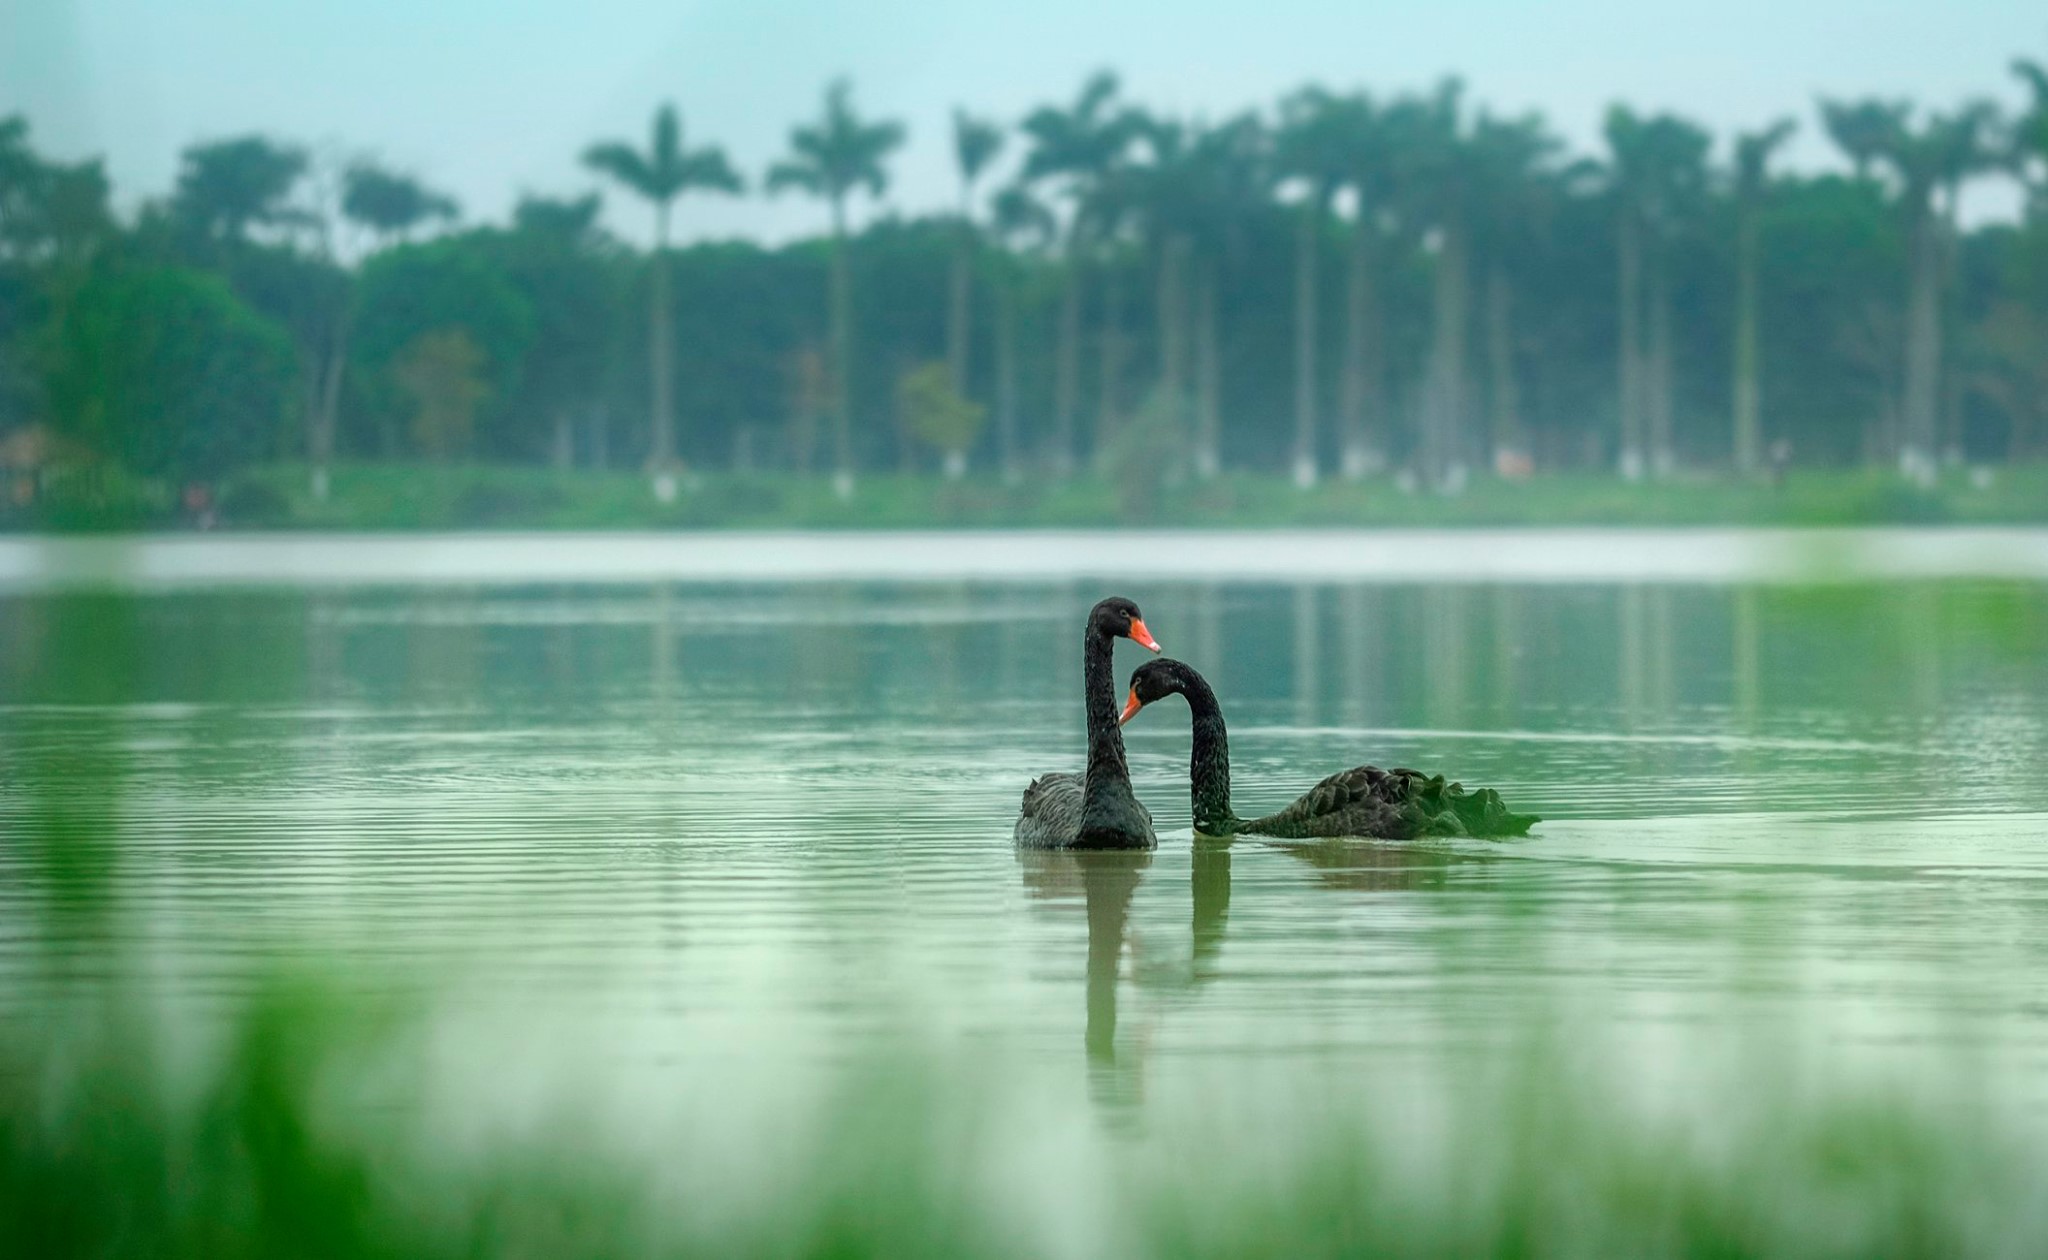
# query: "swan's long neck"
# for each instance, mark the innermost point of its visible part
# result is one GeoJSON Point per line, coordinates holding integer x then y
{"type": "Point", "coordinates": [1209, 763]}
{"type": "Point", "coordinates": [1108, 785]}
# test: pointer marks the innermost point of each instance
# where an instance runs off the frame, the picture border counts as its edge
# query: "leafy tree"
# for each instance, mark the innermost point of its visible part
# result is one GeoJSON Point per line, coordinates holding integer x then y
{"type": "Point", "coordinates": [1753, 152]}
{"type": "Point", "coordinates": [164, 370]}
{"type": "Point", "coordinates": [453, 283]}
{"type": "Point", "coordinates": [228, 187]}
{"type": "Point", "coordinates": [390, 204]}
{"type": "Point", "coordinates": [833, 158]}
{"type": "Point", "coordinates": [442, 372]}
{"type": "Point", "coordinates": [932, 410]}
{"type": "Point", "coordinates": [666, 170]}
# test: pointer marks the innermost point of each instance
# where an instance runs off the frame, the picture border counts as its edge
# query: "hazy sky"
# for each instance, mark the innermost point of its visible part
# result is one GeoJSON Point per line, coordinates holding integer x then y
{"type": "Point", "coordinates": [489, 98]}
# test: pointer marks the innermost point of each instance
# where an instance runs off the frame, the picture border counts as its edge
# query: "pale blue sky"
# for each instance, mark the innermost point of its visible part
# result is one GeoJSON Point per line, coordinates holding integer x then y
{"type": "Point", "coordinates": [487, 98]}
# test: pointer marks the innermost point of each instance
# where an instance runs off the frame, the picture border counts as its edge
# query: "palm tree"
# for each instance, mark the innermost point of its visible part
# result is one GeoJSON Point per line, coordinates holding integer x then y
{"type": "Point", "coordinates": [976, 142]}
{"type": "Point", "coordinates": [1313, 147]}
{"type": "Point", "coordinates": [1658, 177]}
{"type": "Point", "coordinates": [1229, 181]}
{"type": "Point", "coordinates": [1511, 189]}
{"type": "Point", "coordinates": [833, 158]}
{"type": "Point", "coordinates": [1361, 392]}
{"type": "Point", "coordinates": [1080, 149]}
{"type": "Point", "coordinates": [1863, 130]}
{"type": "Point", "coordinates": [1927, 165]}
{"type": "Point", "coordinates": [1429, 149]}
{"type": "Point", "coordinates": [665, 171]}
{"type": "Point", "coordinates": [1753, 152]}
{"type": "Point", "coordinates": [1024, 225]}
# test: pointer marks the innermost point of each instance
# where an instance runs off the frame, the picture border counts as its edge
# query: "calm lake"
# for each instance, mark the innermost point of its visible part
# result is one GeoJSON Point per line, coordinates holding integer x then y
{"type": "Point", "coordinates": [714, 873]}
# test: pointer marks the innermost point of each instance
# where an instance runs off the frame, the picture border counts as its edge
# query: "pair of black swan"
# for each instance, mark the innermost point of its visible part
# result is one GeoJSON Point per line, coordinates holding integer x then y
{"type": "Point", "coordinates": [1097, 809]}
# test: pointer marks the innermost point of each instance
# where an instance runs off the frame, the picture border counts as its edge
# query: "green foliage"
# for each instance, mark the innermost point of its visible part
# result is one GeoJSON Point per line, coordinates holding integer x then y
{"type": "Point", "coordinates": [164, 370]}
{"type": "Point", "coordinates": [441, 371]}
{"type": "Point", "coordinates": [445, 286]}
{"type": "Point", "coordinates": [930, 410]}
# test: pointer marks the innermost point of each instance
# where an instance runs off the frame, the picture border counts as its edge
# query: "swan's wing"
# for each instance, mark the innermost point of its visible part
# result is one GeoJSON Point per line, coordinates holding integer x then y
{"type": "Point", "coordinates": [1393, 805]}
{"type": "Point", "coordinates": [1051, 814]}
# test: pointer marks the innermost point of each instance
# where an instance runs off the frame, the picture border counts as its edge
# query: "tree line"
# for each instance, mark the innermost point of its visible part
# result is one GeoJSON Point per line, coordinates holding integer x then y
{"type": "Point", "coordinates": [1343, 284]}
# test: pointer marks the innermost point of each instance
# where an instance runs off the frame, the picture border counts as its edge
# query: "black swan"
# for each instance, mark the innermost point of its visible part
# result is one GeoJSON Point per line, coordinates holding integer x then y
{"type": "Point", "coordinates": [1363, 801]}
{"type": "Point", "coordinates": [1094, 809]}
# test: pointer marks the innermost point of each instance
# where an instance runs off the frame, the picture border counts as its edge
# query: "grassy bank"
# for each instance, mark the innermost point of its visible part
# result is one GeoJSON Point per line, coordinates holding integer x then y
{"type": "Point", "coordinates": [406, 496]}
{"type": "Point", "coordinates": [312, 1132]}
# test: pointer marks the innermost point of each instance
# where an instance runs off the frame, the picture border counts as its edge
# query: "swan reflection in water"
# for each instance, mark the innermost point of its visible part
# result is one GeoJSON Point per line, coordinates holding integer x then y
{"type": "Point", "coordinates": [1105, 883]}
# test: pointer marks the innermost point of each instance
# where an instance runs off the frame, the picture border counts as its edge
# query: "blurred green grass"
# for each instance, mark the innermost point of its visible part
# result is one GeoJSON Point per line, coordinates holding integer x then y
{"type": "Point", "coordinates": [442, 497]}
{"type": "Point", "coordinates": [300, 1139]}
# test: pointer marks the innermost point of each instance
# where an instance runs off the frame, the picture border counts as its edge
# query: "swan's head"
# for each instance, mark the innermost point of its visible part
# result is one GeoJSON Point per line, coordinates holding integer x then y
{"type": "Point", "coordinates": [1120, 618]}
{"type": "Point", "coordinates": [1151, 681]}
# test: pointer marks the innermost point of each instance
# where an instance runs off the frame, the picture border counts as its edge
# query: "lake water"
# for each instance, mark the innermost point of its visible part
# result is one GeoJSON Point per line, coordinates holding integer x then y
{"type": "Point", "coordinates": [714, 875]}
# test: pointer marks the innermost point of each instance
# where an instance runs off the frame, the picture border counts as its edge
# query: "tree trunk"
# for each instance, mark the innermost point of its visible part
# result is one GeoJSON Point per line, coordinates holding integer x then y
{"type": "Point", "coordinates": [959, 308]}
{"type": "Point", "coordinates": [600, 437]}
{"type": "Point", "coordinates": [1510, 450]}
{"type": "Point", "coordinates": [841, 335]}
{"type": "Point", "coordinates": [661, 445]}
{"type": "Point", "coordinates": [562, 446]}
{"type": "Point", "coordinates": [1954, 384]}
{"type": "Point", "coordinates": [1305, 346]}
{"type": "Point", "coordinates": [326, 417]}
{"type": "Point", "coordinates": [1208, 377]}
{"type": "Point", "coordinates": [1749, 440]}
{"type": "Point", "coordinates": [1006, 378]}
{"type": "Point", "coordinates": [1067, 367]}
{"type": "Point", "coordinates": [1923, 351]}
{"type": "Point", "coordinates": [1109, 415]}
{"type": "Point", "coordinates": [1363, 400]}
{"type": "Point", "coordinates": [1444, 427]}
{"type": "Point", "coordinates": [1628, 306]}
{"type": "Point", "coordinates": [1663, 454]}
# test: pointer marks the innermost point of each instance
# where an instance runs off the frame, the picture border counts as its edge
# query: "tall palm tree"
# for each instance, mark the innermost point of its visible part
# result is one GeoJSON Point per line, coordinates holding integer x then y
{"type": "Point", "coordinates": [1658, 176]}
{"type": "Point", "coordinates": [1430, 149]}
{"type": "Point", "coordinates": [976, 143]}
{"type": "Point", "coordinates": [833, 158]}
{"type": "Point", "coordinates": [1313, 148]}
{"type": "Point", "coordinates": [1753, 152]}
{"type": "Point", "coordinates": [1361, 392]}
{"type": "Point", "coordinates": [1079, 149]}
{"type": "Point", "coordinates": [666, 170]}
{"type": "Point", "coordinates": [1229, 178]}
{"type": "Point", "coordinates": [1163, 199]}
{"type": "Point", "coordinates": [1511, 190]}
{"type": "Point", "coordinates": [1924, 163]}
{"type": "Point", "coordinates": [1024, 225]}
{"type": "Point", "coordinates": [1863, 130]}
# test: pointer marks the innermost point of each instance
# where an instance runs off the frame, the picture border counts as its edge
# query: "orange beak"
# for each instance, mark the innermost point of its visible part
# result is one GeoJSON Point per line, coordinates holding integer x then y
{"type": "Point", "coordinates": [1142, 637]}
{"type": "Point", "coordinates": [1131, 706]}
